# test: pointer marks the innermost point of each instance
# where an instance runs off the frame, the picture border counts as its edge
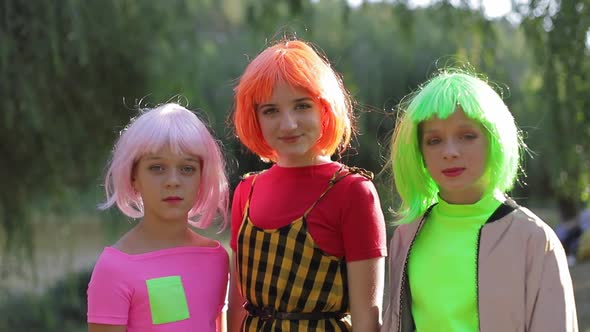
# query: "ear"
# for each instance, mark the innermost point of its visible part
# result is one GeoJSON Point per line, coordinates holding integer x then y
{"type": "Point", "coordinates": [134, 178]}
{"type": "Point", "coordinates": [324, 109]}
{"type": "Point", "coordinates": [134, 185]}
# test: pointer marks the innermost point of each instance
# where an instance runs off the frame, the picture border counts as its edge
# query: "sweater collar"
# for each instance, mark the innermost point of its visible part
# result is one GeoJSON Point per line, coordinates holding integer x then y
{"type": "Point", "coordinates": [485, 206]}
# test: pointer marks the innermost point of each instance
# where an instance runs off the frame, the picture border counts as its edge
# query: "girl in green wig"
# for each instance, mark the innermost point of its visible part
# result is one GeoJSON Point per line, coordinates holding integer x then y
{"type": "Point", "coordinates": [466, 257]}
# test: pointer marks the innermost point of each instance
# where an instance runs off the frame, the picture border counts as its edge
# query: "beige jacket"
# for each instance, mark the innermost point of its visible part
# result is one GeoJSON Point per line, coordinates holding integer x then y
{"type": "Point", "coordinates": [523, 279]}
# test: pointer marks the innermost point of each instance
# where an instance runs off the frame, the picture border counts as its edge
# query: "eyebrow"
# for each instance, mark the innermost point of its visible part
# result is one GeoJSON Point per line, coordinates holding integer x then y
{"type": "Point", "coordinates": [461, 126]}
{"type": "Point", "coordinates": [191, 159]}
{"type": "Point", "coordinates": [296, 100]}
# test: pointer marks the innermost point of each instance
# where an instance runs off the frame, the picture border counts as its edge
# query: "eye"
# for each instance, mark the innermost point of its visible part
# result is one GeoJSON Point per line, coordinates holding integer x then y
{"type": "Point", "coordinates": [269, 110]}
{"type": "Point", "coordinates": [188, 170]}
{"type": "Point", "coordinates": [469, 136]}
{"type": "Point", "coordinates": [432, 140]}
{"type": "Point", "coordinates": [156, 168]}
{"type": "Point", "coordinates": [302, 106]}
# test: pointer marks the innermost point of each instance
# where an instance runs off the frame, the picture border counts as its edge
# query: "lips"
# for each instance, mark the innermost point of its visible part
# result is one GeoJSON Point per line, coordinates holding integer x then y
{"type": "Point", "coordinates": [453, 172]}
{"type": "Point", "coordinates": [290, 139]}
{"type": "Point", "coordinates": [172, 199]}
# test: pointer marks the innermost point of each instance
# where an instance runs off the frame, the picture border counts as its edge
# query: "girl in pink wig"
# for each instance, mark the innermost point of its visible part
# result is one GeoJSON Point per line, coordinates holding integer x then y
{"type": "Point", "coordinates": [167, 171]}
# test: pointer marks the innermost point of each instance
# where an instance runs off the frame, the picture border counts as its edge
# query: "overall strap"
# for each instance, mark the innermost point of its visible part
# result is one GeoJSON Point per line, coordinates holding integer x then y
{"type": "Point", "coordinates": [340, 174]}
{"type": "Point", "coordinates": [245, 176]}
{"type": "Point", "coordinates": [244, 215]}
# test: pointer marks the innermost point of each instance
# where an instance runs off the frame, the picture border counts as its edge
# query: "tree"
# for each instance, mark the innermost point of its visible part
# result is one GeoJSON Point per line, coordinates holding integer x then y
{"type": "Point", "coordinates": [559, 31]}
{"type": "Point", "coordinates": [65, 77]}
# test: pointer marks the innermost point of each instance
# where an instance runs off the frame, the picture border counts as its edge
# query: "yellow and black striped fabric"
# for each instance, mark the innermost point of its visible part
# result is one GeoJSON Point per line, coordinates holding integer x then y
{"type": "Point", "coordinates": [284, 270]}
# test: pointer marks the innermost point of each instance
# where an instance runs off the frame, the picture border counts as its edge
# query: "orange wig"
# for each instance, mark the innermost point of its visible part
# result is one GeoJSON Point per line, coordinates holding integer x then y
{"type": "Point", "coordinates": [296, 63]}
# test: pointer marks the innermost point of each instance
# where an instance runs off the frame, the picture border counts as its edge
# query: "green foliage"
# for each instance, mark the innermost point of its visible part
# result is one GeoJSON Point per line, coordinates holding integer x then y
{"type": "Point", "coordinates": [61, 309]}
{"type": "Point", "coordinates": [558, 32]}
{"type": "Point", "coordinates": [65, 76]}
{"type": "Point", "coordinates": [74, 70]}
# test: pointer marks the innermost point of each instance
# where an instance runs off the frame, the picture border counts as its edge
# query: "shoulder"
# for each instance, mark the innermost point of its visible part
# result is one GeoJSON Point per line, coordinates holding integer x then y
{"type": "Point", "coordinates": [357, 190]}
{"type": "Point", "coordinates": [245, 183]}
{"type": "Point", "coordinates": [407, 228]}
{"type": "Point", "coordinates": [199, 240]}
{"type": "Point", "coordinates": [533, 228]}
{"type": "Point", "coordinates": [354, 172]}
{"type": "Point", "coordinates": [130, 243]}
{"type": "Point", "coordinates": [110, 262]}
{"type": "Point", "coordinates": [249, 175]}
{"type": "Point", "coordinates": [403, 234]}
{"type": "Point", "coordinates": [213, 245]}
{"type": "Point", "coordinates": [247, 178]}
{"type": "Point", "coordinates": [355, 178]}
{"type": "Point", "coordinates": [528, 220]}
{"type": "Point", "coordinates": [401, 241]}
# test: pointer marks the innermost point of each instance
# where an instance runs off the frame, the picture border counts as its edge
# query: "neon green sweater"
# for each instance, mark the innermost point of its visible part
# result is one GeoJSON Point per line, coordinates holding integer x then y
{"type": "Point", "coordinates": [442, 266]}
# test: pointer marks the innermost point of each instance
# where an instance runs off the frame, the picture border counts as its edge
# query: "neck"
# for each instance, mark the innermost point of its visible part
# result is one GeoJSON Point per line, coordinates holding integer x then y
{"type": "Point", "coordinates": [315, 160]}
{"type": "Point", "coordinates": [461, 198]}
{"type": "Point", "coordinates": [164, 233]}
{"type": "Point", "coordinates": [468, 195]}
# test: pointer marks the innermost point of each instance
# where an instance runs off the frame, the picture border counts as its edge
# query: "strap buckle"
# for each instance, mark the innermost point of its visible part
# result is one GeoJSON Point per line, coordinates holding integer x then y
{"type": "Point", "coordinates": [265, 314]}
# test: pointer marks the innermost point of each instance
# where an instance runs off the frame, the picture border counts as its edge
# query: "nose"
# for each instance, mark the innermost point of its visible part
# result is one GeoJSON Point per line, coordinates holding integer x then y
{"type": "Point", "coordinates": [173, 178]}
{"type": "Point", "coordinates": [288, 121]}
{"type": "Point", "coordinates": [450, 150]}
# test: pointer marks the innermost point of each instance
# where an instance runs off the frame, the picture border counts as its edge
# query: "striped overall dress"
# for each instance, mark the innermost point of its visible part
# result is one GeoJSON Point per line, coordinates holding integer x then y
{"type": "Point", "coordinates": [283, 271]}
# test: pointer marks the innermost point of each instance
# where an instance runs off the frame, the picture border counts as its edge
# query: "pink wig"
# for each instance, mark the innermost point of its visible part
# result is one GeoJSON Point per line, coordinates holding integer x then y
{"type": "Point", "coordinates": [299, 65]}
{"type": "Point", "coordinates": [182, 131]}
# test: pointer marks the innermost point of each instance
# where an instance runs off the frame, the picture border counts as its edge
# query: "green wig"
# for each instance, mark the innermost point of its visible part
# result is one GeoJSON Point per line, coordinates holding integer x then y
{"type": "Point", "coordinates": [440, 97]}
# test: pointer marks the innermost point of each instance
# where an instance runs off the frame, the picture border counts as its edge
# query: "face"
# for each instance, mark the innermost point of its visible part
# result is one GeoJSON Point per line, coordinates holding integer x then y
{"type": "Point", "coordinates": [291, 125]}
{"type": "Point", "coordinates": [455, 151]}
{"type": "Point", "coordinates": [168, 184]}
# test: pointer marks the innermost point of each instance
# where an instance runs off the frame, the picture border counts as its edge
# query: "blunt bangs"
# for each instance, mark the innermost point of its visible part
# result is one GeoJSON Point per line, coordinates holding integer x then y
{"type": "Point", "coordinates": [172, 126]}
{"type": "Point", "coordinates": [440, 97]}
{"type": "Point", "coordinates": [297, 64]}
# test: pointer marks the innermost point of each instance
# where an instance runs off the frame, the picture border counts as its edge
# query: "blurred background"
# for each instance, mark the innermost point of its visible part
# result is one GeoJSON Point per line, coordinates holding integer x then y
{"type": "Point", "coordinates": [73, 72]}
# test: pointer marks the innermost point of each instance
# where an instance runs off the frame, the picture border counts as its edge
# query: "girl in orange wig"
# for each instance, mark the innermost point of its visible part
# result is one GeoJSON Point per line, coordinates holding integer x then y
{"type": "Point", "coordinates": [308, 235]}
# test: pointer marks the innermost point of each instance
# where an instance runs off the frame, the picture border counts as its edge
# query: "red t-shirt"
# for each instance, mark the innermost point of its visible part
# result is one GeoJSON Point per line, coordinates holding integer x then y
{"type": "Point", "coordinates": [347, 222]}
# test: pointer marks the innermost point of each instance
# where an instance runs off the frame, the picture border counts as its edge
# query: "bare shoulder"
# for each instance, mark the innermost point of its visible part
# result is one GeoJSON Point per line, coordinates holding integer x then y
{"type": "Point", "coordinates": [199, 240]}
{"type": "Point", "coordinates": [129, 242]}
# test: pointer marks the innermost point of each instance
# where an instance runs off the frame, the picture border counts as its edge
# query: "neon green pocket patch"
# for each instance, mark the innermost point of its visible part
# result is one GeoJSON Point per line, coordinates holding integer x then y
{"type": "Point", "coordinates": [167, 299]}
